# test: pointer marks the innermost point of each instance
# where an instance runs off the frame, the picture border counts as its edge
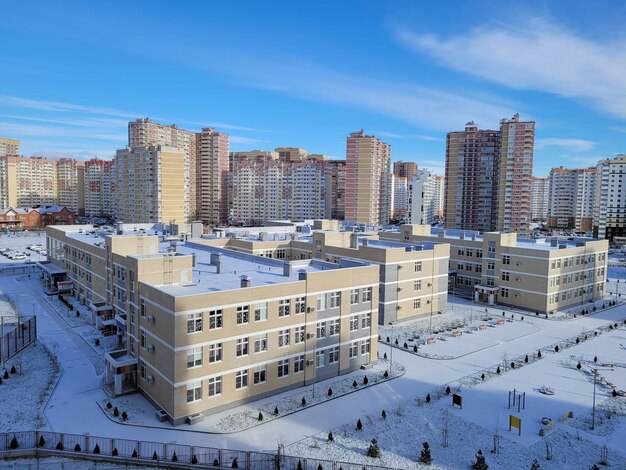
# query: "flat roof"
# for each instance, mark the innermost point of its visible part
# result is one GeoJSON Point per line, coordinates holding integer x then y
{"type": "Point", "coordinates": [386, 244]}
{"type": "Point", "coordinates": [260, 270]}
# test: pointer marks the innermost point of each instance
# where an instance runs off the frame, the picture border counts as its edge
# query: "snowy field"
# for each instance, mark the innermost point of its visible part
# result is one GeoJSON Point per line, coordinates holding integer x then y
{"type": "Point", "coordinates": [19, 242]}
{"type": "Point", "coordinates": [75, 404]}
{"type": "Point", "coordinates": [24, 393]}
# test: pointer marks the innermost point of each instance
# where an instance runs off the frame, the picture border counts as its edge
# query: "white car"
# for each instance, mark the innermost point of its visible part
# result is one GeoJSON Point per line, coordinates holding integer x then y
{"type": "Point", "coordinates": [19, 256]}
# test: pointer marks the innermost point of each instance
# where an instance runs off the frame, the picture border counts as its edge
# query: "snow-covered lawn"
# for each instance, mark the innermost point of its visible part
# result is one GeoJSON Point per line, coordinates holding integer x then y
{"type": "Point", "coordinates": [139, 411]}
{"type": "Point", "coordinates": [24, 393]}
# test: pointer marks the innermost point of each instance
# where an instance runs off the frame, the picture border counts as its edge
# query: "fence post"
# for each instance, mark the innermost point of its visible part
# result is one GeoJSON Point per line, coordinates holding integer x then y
{"type": "Point", "coordinates": [138, 449]}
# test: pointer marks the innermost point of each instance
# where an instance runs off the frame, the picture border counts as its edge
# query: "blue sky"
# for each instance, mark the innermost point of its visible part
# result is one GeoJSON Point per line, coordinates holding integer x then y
{"type": "Point", "coordinates": [308, 73]}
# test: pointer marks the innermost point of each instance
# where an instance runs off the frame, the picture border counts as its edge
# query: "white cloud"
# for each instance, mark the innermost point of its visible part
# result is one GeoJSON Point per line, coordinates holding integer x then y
{"type": "Point", "coordinates": [578, 145]}
{"type": "Point", "coordinates": [25, 131]}
{"type": "Point", "coordinates": [393, 135]}
{"type": "Point", "coordinates": [541, 56]}
{"type": "Point", "coordinates": [14, 101]}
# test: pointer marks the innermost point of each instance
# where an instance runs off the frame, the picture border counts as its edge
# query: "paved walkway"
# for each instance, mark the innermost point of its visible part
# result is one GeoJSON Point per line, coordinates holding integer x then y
{"type": "Point", "coordinates": [73, 408]}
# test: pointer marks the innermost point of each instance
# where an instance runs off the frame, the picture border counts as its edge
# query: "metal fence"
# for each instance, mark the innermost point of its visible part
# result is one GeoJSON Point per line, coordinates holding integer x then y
{"type": "Point", "coordinates": [16, 333]}
{"type": "Point", "coordinates": [158, 454]}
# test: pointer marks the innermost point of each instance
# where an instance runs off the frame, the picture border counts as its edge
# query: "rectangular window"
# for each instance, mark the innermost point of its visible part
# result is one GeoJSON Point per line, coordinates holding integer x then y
{"type": "Point", "coordinates": [505, 275]}
{"type": "Point", "coordinates": [366, 294]}
{"type": "Point", "coordinates": [299, 334]}
{"type": "Point", "coordinates": [366, 320]}
{"type": "Point", "coordinates": [142, 369]}
{"type": "Point", "coordinates": [300, 305]}
{"type": "Point", "coordinates": [194, 357]}
{"type": "Point", "coordinates": [215, 352]}
{"type": "Point", "coordinates": [354, 296]}
{"type": "Point", "coordinates": [243, 314]}
{"type": "Point", "coordinates": [283, 367]}
{"type": "Point", "coordinates": [283, 338]}
{"type": "Point", "coordinates": [142, 339]}
{"type": "Point", "coordinates": [335, 299]}
{"type": "Point", "coordinates": [333, 355]}
{"type": "Point", "coordinates": [298, 364]}
{"type": "Point", "coordinates": [354, 323]}
{"type": "Point", "coordinates": [215, 319]}
{"type": "Point", "coordinates": [321, 330]}
{"type": "Point", "coordinates": [259, 375]}
{"type": "Point", "coordinates": [321, 302]}
{"type": "Point", "coordinates": [506, 259]}
{"type": "Point", "coordinates": [417, 303]}
{"type": "Point", "coordinates": [283, 307]}
{"type": "Point", "coordinates": [333, 327]}
{"type": "Point", "coordinates": [260, 343]}
{"type": "Point", "coordinates": [418, 266]}
{"type": "Point", "coordinates": [319, 358]}
{"type": "Point", "coordinates": [194, 392]}
{"type": "Point", "coordinates": [260, 312]}
{"type": "Point", "coordinates": [504, 292]}
{"type": "Point", "coordinates": [242, 347]}
{"type": "Point", "coordinates": [215, 386]}
{"type": "Point", "coordinates": [143, 308]}
{"type": "Point", "coordinates": [354, 350]}
{"type": "Point", "coordinates": [365, 347]}
{"type": "Point", "coordinates": [194, 322]}
{"type": "Point", "coordinates": [417, 285]}
{"type": "Point", "coordinates": [241, 379]}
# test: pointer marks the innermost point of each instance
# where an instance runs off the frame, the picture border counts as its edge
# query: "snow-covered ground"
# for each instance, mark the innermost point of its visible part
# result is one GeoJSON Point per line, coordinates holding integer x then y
{"type": "Point", "coordinates": [23, 394]}
{"type": "Point", "coordinates": [74, 405]}
{"type": "Point", "coordinates": [19, 242]}
{"type": "Point", "coordinates": [57, 463]}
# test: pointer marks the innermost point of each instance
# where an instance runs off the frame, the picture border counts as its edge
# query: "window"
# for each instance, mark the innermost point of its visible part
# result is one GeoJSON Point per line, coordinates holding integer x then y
{"type": "Point", "coordinates": [417, 303]}
{"type": "Point", "coordinates": [505, 275]}
{"type": "Point", "coordinates": [215, 386]}
{"type": "Point", "coordinates": [321, 302]}
{"type": "Point", "coordinates": [142, 339]}
{"type": "Point", "coordinates": [283, 308]}
{"type": "Point", "coordinates": [194, 357]}
{"type": "Point", "coordinates": [319, 358]}
{"type": "Point", "coordinates": [194, 392]}
{"type": "Point", "coordinates": [283, 367]}
{"type": "Point", "coordinates": [504, 292]}
{"type": "Point", "coordinates": [365, 347]}
{"type": "Point", "coordinates": [283, 338]}
{"type": "Point", "coordinates": [260, 343]}
{"type": "Point", "coordinates": [321, 330]}
{"type": "Point", "coordinates": [418, 266]}
{"type": "Point", "coordinates": [143, 308]}
{"type": "Point", "coordinates": [259, 375]}
{"type": "Point", "coordinates": [366, 294]}
{"type": "Point", "coordinates": [299, 334]}
{"type": "Point", "coordinates": [215, 319]}
{"type": "Point", "coordinates": [298, 364]}
{"type": "Point", "coordinates": [354, 296]}
{"type": "Point", "coordinates": [215, 352]}
{"type": "Point", "coordinates": [260, 312]}
{"type": "Point", "coordinates": [417, 285]}
{"type": "Point", "coordinates": [366, 320]}
{"type": "Point", "coordinates": [335, 299]}
{"type": "Point", "coordinates": [354, 350]}
{"type": "Point", "coordinates": [242, 347]}
{"type": "Point", "coordinates": [491, 265]}
{"type": "Point", "coordinates": [241, 379]}
{"type": "Point", "coordinates": [300, 305]}
{"type": "Point", "coordinates": [333, 355]}
{"type": "Point", "coordinates": [142, 369]}
{"type": "Point", "coordinates": [354, 323]}
{"type": "Point", "coordinates": [333, 327]}
{"type": "Point", "coordinates": [194, 322]}
{"type": "Point", "coordinates": [243, 313]}
{"type": "Point", "coordinates": [506, 259]}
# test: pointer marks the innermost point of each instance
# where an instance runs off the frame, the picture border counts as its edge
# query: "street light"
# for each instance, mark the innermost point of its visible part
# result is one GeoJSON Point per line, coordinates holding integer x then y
{"type": "Point", "coordinates": [595, 381]}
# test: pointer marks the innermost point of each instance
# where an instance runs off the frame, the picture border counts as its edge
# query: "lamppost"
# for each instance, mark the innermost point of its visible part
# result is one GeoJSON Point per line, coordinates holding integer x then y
{"type": "Point", "coordinates": [595, 381]}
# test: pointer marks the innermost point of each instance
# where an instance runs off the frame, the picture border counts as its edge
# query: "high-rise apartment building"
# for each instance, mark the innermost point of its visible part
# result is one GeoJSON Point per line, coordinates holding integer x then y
{"type": "Point", "coordinates": [515, 174]}
{"type": "Point", "coordinates": [212, 177]}
{"type": "Point", "coordinates": [572, 196]}
{"type": "Point", "coordinates": [367, 179]}
{"type": "Point", "coordinates": [284, 185]}
{"type": "Point", "coordinates": [399, 197]}
{"type": "Point", "coordinates": [150, 185]}
{"type": "Point", "coordinates": [9, 147]}
{"type": "Point", "coordinates": [539, 199]}
{"type": "Point", "coordinates": [609, 213]}
{"type": "Point", "coordinates": [472, 159]}
{"type": "Point", "coordinates": [405, 169]}
{"type": "Point", "coordinates": [440, 196]}
{"type": "Point", "coordinates": [488, 176]}
{"type": "Point", "coordinates": [71, 184]}
{"type": "Point", "coordinates": [99, 188]}
{"type": "Point", "coordinates": [424, 197]}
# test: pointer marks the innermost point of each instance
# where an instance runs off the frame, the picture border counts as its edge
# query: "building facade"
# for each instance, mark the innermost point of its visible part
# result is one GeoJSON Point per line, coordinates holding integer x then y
{"type": "Point", "coordinates": [424, 198]}
{"type": "Point", "coordinates": [99, 188]}
{"type": "Point", "coordinates": [29, 218]}
{"type": "Point", "coordinates": [212, 177]}
{"type": "Point", "coordinates": [399, 197]}
{"type": "Point", "coordinates": [572, 196]}
{"type": "Point", "coordinates": [9, 147]}
{"type": "Point", "coordinates": [609, 213]}
{"type": "Point", "coordinates": [539, 199]}
{"type": "Point", "coordinates": [367, 179]}
{"type": "Point", "coordinates": [405, 169]}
